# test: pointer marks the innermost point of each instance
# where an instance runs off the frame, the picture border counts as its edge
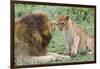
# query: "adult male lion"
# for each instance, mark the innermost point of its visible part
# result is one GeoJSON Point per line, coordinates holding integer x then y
{"type": "Point", "coordinates": [32, 36]}
{"type": "Point", "coordinates": [79, 40]}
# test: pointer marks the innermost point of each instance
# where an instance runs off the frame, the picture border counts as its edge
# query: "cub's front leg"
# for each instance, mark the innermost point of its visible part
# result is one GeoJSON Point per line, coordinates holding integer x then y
{"type": "Point", "coordinates": [73, 48]}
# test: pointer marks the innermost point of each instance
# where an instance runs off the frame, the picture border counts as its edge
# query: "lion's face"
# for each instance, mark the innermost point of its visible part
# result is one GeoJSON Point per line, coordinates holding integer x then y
{"type": "Point", "coordinates": [62, 21]}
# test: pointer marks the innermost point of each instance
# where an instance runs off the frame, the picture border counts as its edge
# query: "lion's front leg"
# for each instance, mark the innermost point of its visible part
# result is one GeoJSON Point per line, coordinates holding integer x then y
{"type": "Point", "coordinates": [44, 59]}
{"type": "Point", "coordinates": [30, 60]}
{"type": "Point", "coordinates": [50, 57]}
{"type": "Point", "coordinates": [59, 57]}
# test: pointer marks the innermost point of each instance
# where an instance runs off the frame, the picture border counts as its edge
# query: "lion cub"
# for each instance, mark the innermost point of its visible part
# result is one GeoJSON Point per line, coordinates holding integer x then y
{"type": "Point", "coordinates": [78, 40]}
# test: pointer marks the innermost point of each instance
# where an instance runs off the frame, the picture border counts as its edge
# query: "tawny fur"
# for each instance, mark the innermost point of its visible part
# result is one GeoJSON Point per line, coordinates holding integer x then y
{"type": "Point", "coordinates": [77, 39]}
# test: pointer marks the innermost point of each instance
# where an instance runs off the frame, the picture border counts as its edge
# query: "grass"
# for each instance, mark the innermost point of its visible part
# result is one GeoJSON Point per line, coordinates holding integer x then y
{"type": "Point", "coordinates": [57, 43]}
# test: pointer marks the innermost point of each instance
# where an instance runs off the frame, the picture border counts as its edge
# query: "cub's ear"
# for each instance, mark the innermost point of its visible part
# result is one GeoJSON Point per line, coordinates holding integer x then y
{"type": "Point", "coordinates": [67, 17]}
{"type": "Point", "coordinates": [57, 17]}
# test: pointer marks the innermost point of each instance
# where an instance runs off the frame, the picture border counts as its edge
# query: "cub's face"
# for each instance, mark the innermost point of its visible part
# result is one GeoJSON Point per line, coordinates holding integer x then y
{"type": "Point", "coordinates": [62, 21]}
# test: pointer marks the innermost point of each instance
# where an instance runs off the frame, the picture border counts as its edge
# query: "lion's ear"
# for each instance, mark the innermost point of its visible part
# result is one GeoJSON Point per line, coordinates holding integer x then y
{"type": "Point", "coordinates": [67, 17]}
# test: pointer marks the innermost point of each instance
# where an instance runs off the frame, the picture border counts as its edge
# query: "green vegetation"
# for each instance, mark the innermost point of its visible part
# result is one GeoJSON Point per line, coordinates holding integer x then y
{"type": "Point", "coordinates": [84, 17]}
